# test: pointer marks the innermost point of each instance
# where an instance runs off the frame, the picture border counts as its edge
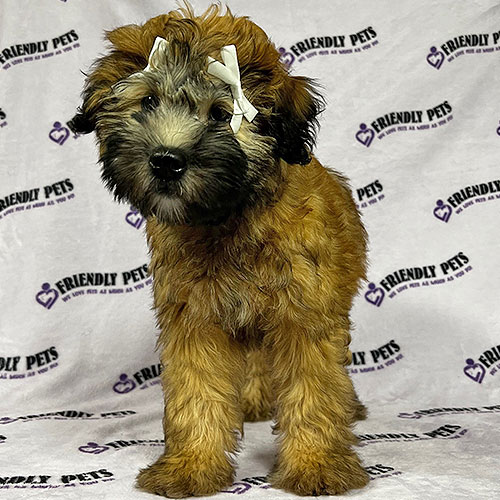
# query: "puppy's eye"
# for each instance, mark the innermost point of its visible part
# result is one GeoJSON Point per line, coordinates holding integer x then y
{"type": "Point", "coordinates": [150, 102]}
{"type": "Point", "coordinates": [218, 114]}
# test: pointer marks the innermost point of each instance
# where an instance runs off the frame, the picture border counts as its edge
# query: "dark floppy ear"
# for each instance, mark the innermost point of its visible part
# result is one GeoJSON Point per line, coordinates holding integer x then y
{"type": "Point", "coordinates": [294, 122]}
{"type": "Point", "coordinates": [84, 121]}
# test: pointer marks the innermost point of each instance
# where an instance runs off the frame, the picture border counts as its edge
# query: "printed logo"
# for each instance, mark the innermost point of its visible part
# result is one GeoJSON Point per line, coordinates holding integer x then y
{"type": "Point", "coordinates": [134, 218]}
{"type": "Point", "coordinates": [2, 439]}
{"type": "Point", "coordinates": [68, 415]}
{"type": "Point", "coordinates": [442, 211]}
{"type": "Point", "coordinates": [47, 296]}
{"type": "Point", "coordinates": [96, 449]}
{"type": "Point", "coordinates": [375, 295]}
{"type": "Point", "coordinates": [260, 482]}
{"type": "Point", "coordinates": [446, 431]}
{"type": "Point", "coordinates": [434, 412]}
{"type": "Point", "coordinates": [404, 121]}
{"type": "Point", "coordinates": [418, 277]}
{"type": "Point", "coordinates": [329, 45]}
{"type": "Point", "coordinates": [59, 134]}
{"type": "Point", "coordinates": [144, 378]}
{"type": "Point", "coordinates": [107, 282]}
{"type": "Point", "coordinates": [370, 194]}
{"type": "Point", "coordinates": [42, 481]}
{"type": "Point", "coordinates": [287, 58]}
{"type": "Point", "coordinates": [498, 130]}
{"type": "Point", "coordinates": [30, 199]}
{"type": "Point", "coordinates": [35, 51]}
{"type": "Point", "coordinates": [467, 197]}
{"type": "Point", "coordinates": [243, 485]}
{"type": "Point", "coordinates": [3, 123]}
{"type": "Point", "coordinates": [487, 361]}
{"type": "Point", "coordinates": [484, 43]}
{"type": "Point", "coordinates": [475, 371]}
{"type": "Point", "coordinates": [365, 135]}
{"type": "Point", "coordinates": [30, 367]}
{"type": "Point", "coordinates": [124, 385]}
{"type": "Point", "coordinates": [435, 58]}
{"type": "Point", "coordinates": [376, 359]}
{"type": "Point", "coordinates": [92, 448]}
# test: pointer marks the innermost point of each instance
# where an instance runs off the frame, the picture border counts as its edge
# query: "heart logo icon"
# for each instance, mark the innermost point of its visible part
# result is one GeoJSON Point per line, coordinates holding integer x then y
{"type": "Point", "coordinates": [475, 371]}
{"type": "Point", "coordinates": [93, 448]}
{"type": "Point", "coordinates": [442, 211]}
{"type": "Point", "coordinates": [365, 135]}
{"type": "Point", "coordinates": [134, 218]}
{"type": "Point", "coordinates": [435, 58]}
{"type": "Point", "coordinates": [124, 385]}
{"type": "Point", "coordinates": [375, 295]}
{"type": "Point", "coordinates": [59, 133]}
{"type": "Point", "coordinates": [47, 296]}
{"type": "Point", "coordinates": [238, 488]}
{"type": "Point", "coordinates": [286, 58]}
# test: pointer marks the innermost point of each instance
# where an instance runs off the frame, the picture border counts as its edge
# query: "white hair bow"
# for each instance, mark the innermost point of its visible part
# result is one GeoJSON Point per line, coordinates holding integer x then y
{"type": "Point", "coordinates": [160, 46]}
{"type": "Point", "coordinates": [229, 73]}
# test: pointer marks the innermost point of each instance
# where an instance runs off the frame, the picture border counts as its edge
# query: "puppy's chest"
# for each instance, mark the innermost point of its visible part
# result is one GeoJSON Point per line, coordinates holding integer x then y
{"type": "Point", "coordinates": [232, 285]}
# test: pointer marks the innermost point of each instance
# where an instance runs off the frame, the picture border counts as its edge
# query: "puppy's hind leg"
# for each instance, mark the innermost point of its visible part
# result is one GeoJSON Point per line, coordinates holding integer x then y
{"type": "Point", "coordinates": [256, 395]}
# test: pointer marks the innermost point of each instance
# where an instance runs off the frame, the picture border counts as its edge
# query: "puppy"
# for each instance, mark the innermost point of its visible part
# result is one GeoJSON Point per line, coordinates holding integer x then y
{"type": "Point", "coordinates": [257, 250]}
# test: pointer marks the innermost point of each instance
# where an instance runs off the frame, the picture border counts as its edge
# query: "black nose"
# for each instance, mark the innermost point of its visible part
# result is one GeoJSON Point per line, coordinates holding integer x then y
{"type": "Point", "coordinates": [168, 164]}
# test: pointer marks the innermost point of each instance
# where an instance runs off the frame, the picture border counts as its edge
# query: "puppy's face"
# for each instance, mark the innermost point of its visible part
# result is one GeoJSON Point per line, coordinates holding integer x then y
{"type": "Point", "coordinates": [165, 138]}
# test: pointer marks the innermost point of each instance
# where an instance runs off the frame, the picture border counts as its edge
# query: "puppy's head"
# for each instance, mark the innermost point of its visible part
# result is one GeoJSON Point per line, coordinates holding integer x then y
{"type": "Point", "coordinates": [163, 122]}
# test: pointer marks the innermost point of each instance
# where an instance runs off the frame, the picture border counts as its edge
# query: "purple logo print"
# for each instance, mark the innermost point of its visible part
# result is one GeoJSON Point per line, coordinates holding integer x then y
{"type": "Point", "coordinates": [408, 415]}
{"type": "Point", "coordinates": [124, 385]}
{"type": "Point", "coordinates": [286, 58]}
{"type": "Point", "coordinates": [47, 296]}
{"type": "Point", "coordinates": [475, 371]}
{"type": "Point", "coordinates": [93, 448]}
{"type": "Point", "coordinates": [59, 134]}
{"type": "Point", "coordinates": [134, 218]}
{"type": "Point", "coordinates": [443, 211]}
{"type": "Point", "coordinates": [435, 58]}
{"type": "Point", "coordinates": [375, 295]}
{"type": "Point", "coordinates": [7, 420]}
{"type": "Point", "coordinates": [498, 129]}
{"type": "Point", "coordinates": [365, 135]}
{"type": "Point", "coordinates": [238, 488]}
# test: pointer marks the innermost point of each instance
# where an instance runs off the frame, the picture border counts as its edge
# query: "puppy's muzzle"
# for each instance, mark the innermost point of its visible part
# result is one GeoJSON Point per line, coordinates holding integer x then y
{"type": "Point", "coordinates": [168, 164]}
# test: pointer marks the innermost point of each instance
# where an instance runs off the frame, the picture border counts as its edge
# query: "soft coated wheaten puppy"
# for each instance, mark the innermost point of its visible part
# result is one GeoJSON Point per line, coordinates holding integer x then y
{"type": "Point", "coordinates": [257, 249]}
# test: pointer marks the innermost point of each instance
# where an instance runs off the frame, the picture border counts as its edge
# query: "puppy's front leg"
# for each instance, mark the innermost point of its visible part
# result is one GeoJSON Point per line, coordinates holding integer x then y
{"type": "Point", "coordinates": [315, 405]}
{"type": "Point", "coordinates": [202, 379]}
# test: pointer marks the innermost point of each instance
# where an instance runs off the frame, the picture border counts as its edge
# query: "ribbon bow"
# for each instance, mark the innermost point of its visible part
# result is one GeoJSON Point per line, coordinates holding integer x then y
{"type": "Point", "coordinates": [160, 45]}
{"type": "Point", "coordinates": [229, 73]}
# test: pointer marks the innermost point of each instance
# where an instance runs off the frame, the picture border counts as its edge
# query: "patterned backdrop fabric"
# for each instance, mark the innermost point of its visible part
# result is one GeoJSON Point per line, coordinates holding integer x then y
{"type": "Point", "coordinates": [412, 118]}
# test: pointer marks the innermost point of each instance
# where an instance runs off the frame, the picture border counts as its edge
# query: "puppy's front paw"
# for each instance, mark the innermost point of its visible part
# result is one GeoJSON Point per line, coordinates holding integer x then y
{"type": "Point", "coordinates": [180, 476]}
{"type": "Point", "coordinates": [308, 475]}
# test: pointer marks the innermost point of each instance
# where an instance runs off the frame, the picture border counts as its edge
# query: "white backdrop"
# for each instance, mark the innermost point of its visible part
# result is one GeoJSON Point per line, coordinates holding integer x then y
{"type": "Point", "coordinates": [412, 118]}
